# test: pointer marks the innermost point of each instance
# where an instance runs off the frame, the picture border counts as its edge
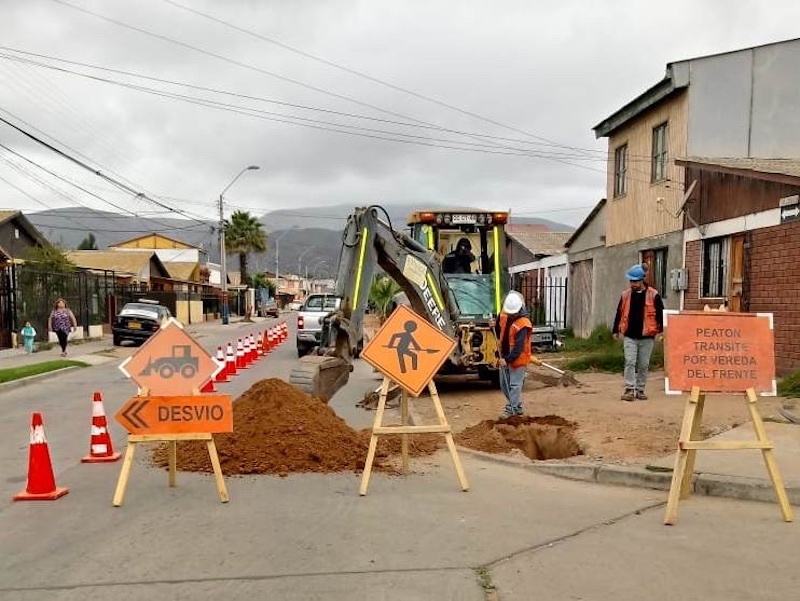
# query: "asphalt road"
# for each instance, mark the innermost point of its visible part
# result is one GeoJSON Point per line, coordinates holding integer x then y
{"type": "Point", "coordinates": [312, 537]}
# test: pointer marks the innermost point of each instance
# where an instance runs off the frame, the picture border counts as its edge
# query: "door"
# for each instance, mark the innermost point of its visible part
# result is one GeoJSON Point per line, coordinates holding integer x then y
{"type": "Point", "coordinates": [580, 292]}
{"type": "Point", "coordinates": [736, 283]}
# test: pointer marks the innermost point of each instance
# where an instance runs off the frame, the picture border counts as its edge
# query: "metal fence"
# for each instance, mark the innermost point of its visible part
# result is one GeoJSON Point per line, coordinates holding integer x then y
{"type": "Point", "coordinates": [545, 297]}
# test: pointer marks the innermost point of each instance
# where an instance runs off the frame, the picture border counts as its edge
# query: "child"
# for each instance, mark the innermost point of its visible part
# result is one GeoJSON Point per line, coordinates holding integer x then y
{"type": "Point", "coordinates": [28, 334]}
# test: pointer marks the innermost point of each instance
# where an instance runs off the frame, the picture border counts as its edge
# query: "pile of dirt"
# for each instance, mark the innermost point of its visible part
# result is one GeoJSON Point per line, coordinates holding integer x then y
{"type": "Point", "coordinates": [277, 429]}
{"type": "Point", "coordinates": [547, 437]}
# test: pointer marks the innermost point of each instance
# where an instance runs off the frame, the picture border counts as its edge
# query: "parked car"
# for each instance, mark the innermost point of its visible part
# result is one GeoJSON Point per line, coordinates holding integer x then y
{"type": "Point", "coordinates": [295, 305]}
{"type": "Point", "coordinates": [269, 308]}
{"type": "Point", "coordinates": [309, 320]}
{"type": "Point", "coordinates": [138, 321]}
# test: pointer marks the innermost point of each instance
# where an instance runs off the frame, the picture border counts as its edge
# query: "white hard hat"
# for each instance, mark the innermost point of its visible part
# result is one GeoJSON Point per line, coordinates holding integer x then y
{"type": "Point", "coordinates": [513, 303]}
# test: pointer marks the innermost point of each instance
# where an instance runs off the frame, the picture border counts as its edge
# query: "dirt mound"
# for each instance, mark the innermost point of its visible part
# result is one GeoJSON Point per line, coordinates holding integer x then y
{"type": "Point", "coordinates": [547, 437]}
{"type": "Point", "coordinates": [278, 429]}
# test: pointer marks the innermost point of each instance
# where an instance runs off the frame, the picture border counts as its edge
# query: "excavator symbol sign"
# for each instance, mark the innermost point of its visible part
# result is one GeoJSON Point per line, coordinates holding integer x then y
{"type": "Point", "coordinates": [408, 349]}
{"type": "Point", "coordinates": [181, 362]}
{"type": "Point", "coordinates": [170, 363]}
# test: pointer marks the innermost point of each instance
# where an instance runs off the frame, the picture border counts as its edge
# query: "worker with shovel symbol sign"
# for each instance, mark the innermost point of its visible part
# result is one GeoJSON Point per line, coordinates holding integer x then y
{"type": "Point", "coordinates": [405, 345]}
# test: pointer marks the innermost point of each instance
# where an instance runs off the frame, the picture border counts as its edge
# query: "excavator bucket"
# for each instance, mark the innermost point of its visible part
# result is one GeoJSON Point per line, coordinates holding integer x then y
{"type": "Point", "coordinates": [320, 376]}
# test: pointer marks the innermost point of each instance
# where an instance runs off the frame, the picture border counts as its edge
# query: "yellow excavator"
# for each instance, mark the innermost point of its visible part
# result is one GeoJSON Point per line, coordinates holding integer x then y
{"type": "Point", "coordinates": [462, 303]}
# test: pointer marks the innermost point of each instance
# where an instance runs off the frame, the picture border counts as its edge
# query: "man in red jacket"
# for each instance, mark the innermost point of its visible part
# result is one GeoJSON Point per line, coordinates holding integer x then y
{"type": "Point", "coordinates": [639, 319]}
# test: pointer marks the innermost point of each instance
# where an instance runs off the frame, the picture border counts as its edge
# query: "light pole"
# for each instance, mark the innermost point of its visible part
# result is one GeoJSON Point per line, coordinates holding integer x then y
{"type": "Point", "coordinates": [223, 259]}
{"type": "Point", "coordinates": [277, 259]}
{"type": "Point", "coordinates": [300, 260]}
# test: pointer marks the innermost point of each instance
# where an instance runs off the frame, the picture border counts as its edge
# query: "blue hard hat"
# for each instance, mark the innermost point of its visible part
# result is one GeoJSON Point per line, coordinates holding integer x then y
{"type": "Point", "coordinates": [635, 273]}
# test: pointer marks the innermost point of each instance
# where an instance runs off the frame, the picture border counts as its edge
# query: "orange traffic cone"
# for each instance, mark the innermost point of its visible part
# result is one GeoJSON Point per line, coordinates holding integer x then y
{"type": "Point", "coordinates": [100, 448]}
{"type": "Point", "coordinates": [230, 361]}
{"type": "Point", "coordinates": [260, 344]}
{"type": "Point", "coordinates": [253, 349]}
{"type": "Point", "coordinates": [284, 331]}
{"type": "Point", "coordinates": [265, 342]}
{"type": "Point", "coordinates": [41, 481]}
{"type": "Point", "coordinates": [208, 386]}
{"type": "Point", "coordinates": [240, 355]}
{"type": "Point", "coordinates": [222, 375]}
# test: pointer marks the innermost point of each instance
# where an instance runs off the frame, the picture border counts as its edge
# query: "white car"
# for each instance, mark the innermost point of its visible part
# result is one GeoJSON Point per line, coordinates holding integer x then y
{"type": "Point", "coordinates": [295, 305]}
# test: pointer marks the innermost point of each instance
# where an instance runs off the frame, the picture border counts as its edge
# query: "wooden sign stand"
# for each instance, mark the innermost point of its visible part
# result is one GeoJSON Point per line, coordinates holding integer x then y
{"type": "Point", "coordinates": [689, 443]}
{"type": "Point", "coordinates": [405, 429]}
{"type": "Point", "coordinates": [172, 439]}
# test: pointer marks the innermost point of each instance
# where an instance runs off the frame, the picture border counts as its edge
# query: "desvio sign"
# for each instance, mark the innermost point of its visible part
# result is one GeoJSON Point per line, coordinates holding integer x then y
{"type": "Point", "coordinates": [177, 414]}
{"type": "Point", "coordinates": [719, 352]}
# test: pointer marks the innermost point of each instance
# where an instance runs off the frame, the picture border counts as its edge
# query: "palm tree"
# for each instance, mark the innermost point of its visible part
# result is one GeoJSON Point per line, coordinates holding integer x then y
{"type": "Point", "coordinates": [243, 235]}
{"type": "Point", "coordinates": [381, 294]}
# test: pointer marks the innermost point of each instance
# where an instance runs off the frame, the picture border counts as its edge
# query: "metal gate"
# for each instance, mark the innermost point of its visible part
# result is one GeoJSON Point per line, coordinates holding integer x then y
{"type": "Point", "coordinates": [545, 297]}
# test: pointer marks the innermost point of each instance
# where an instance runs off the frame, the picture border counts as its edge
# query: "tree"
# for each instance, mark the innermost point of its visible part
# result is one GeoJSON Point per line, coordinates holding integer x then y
{"type": "Point", "coordinates": [243, 235]}
{"type": "Point", "coordinates": [381, 294]}
{"type": "Point", "coordinates": [88, 243]}
{"type": "Point", "coordinates": [259, 280]}
{"type": "Point", "coordinates": [50, 258]}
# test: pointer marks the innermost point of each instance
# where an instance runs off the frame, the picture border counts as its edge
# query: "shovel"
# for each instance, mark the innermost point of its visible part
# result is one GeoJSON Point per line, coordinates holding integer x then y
{"type": "Point", "coordinates": [567, 377]}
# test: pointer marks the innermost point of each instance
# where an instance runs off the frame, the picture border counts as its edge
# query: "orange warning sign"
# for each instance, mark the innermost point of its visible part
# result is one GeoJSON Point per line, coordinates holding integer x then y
{"type": "Point", "coordinates": [719, 352]}
{"type": "Point", "coordinates": [177, 414]}
{"type": "Point", "coordinates": [408, 349]}
{"type": "Point", "coordinates": [171, 362]}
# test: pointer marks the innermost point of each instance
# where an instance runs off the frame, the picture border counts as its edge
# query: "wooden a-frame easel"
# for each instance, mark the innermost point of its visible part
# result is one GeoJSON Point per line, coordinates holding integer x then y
{"type": "Point", "coordinates": [405, 429]}
{"type": "Point", "coordinates": [172, 439]}
{"type": "Point", "coordinates": [689, 443]}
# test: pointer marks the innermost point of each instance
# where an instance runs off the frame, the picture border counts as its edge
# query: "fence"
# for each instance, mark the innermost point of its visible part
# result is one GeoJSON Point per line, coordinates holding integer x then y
{"type": "Point", "coordinates": [545, 297]}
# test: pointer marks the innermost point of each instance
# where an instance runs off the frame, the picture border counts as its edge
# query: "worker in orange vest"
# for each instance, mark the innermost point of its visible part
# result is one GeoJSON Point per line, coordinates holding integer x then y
{"type": "Point", "coordinates": [514, 349]}
{"type": "Point", "coordinates": [639, 319]}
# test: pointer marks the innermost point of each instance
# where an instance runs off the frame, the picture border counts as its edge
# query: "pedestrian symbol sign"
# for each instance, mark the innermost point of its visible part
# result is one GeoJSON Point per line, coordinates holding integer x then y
{"type": "Point", "coordinates": [170, 363]}
{"type": "Point", "coordinates": [408, 349]}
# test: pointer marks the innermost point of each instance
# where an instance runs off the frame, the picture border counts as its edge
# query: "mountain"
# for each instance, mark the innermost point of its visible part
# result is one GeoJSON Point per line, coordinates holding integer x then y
{"type": "Point", "coordinates": [306, 238]}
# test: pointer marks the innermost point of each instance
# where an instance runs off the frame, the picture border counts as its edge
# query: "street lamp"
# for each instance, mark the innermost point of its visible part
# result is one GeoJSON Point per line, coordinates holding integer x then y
{"type": "Point", "coordinates": [300, 260]}
{"type": "Point", "coordinates": [223, 258]}
{"type": "Point", "coordinates": [277, 261]}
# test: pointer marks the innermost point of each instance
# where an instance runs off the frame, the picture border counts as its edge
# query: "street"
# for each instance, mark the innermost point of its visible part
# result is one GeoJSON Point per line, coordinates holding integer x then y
{"type": "Point", "coordinates": [515, 535]}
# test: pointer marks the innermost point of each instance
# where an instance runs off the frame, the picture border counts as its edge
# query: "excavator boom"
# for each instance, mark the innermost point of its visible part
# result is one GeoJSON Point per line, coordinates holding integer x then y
{"type": "Point", "coordinates": [367, 242]}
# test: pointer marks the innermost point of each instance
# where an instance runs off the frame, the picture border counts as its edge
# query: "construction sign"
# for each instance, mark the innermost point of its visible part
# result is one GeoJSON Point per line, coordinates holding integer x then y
{"type": "Point", "coordinates": [408, 349]}
{"type": "Point", "coordinates": [170, 363]}
{"type": "Point", "coordinates": [177, 414]}
{"type": "Point", "coordinates": [719, 352]}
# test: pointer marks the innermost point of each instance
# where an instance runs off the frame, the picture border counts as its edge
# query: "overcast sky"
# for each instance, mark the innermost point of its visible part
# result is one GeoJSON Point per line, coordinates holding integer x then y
{"type": "Point", "coordinates": [539, 74]}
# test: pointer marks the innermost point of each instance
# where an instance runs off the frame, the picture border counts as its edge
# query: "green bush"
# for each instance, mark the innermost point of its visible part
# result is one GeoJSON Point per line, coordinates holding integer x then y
{"type": "Point", "coordinates": [790, 385]}
{"type": "Point", "coordinates": [601, 338]}
{"type": "Point", "coordinates": [612, 360]}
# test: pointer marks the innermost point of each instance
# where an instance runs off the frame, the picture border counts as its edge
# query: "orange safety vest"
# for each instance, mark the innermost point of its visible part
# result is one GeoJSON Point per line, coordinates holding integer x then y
{"type": "Point", "coordinates": [650, 323]}
{"type": "Point", "coordinates": [519, 324]}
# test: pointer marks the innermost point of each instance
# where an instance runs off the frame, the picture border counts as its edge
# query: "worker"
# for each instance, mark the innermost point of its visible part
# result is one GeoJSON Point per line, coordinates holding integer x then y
{"type": "Point", "coordinates": [513, 331]}
{"type": "Point", "coordinates": [639, 319]}
{"type": "Point", "coordinates": [459, 260]}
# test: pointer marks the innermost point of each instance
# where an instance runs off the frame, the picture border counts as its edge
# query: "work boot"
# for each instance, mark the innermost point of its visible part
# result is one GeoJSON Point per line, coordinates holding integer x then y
{"type": "Point", "coordinates": [504, 415]}
{"type": "Point", "coordinates": [640, 395]}
{"type": "Point", "coordinates": [628, 395]}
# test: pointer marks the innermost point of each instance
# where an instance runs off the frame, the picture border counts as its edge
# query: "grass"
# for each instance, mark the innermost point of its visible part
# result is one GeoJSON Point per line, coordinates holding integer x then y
{"type": "Point", "coordinates": [789, 386]}
{"type": "Point", "coordinates": [15, 373]}
{"type": "Point", "coordinates": [600, 352]}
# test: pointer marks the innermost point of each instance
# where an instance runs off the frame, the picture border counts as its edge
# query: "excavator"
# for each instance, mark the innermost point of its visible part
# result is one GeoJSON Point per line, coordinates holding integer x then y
{"type": "Point", "coordinates": [462, 304]}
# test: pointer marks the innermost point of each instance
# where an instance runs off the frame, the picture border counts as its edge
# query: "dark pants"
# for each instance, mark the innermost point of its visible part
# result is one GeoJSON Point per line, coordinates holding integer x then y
{"type": "Point", "coordinates": [62, 340]}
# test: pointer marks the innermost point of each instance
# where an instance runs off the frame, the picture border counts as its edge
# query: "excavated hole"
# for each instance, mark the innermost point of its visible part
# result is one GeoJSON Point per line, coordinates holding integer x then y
{"type": "Point", "coordinates": [539, 438]}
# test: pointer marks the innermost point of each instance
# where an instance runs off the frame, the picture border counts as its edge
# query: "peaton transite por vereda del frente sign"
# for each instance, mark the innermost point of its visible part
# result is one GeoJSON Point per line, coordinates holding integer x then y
{"type": "Point", "coordinates": [719, 352]}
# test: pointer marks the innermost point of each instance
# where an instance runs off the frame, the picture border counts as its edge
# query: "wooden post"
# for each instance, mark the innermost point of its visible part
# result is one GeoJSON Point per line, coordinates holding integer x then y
{"type": "Point", "coordinates": [689, 443]}
{"type": "Point", "coordinates": [405, 429]}
{"type": "Point", "coordinates": [404, 435]}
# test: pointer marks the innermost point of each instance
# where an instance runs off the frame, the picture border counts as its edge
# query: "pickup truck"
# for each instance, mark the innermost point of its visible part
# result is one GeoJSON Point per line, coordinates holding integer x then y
{"type": "Point", "coordinates": [309, 320]}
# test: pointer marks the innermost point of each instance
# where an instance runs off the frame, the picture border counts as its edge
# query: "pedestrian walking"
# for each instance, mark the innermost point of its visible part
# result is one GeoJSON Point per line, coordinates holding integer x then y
{"type": "Point", "coordinates": [514, 335]}
{"type": "Point", "coordinates": [639, 319]}
{"type": "Point", "coordinates": [28, 333]}
{"type": "Point", "coordinates": [63, 323]}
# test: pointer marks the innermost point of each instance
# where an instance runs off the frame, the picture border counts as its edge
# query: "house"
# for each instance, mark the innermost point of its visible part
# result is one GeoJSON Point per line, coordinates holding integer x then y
{"type": "Point", "coordinates": [18, 237]}
{"type": "Point", "coordinates": [134, 268]}
{"type": "Point", "coordinates": [182, 260]}
{"type": "Point", "coordinates": [742, 240]}
{"type": "Point", "coordinates": [588, 272]}
{"type": "Point", "coordinates": [543, 279]}
{"type": "Point", "coordinates": [734, 104]}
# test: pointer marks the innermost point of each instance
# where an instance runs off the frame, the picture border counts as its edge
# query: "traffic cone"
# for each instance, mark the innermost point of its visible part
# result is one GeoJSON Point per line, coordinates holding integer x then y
{"type": "Point", "coordinates": [240, 355]}
{"type": "Point", "coordinates": [265, 342]}
{"type": "Point", "coordinates": [222, 375]}
{"type": "Point", "coordinates": [284, 331]}
{"type": "Point", "coordinates": [270, 340]}
{"type": "Point", "coordinates": [260, 344]}
{"type": "Point", "coordinates": [253, 349]}
{"type": "Point", "coordinates": [230, 361]}
{"type": "Point", "coordinates": [208, 386]}
{"type": "Point", "coordinates": [41, 481]}
{"type": "Point", "coordinates": [100, 448]}
{"type": "Point", "coordinates": [246, 346]}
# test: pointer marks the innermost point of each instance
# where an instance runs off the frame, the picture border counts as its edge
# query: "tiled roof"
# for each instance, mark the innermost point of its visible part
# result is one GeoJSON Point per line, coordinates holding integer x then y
{"type": "Point", "coordinates": [181, 270]}
{"type": "Point", "coordinates": [132, 262]}
{"type": "Point", "coordinates": [790, 167]}
{"type": "Point", "coordinates": [542, 243]}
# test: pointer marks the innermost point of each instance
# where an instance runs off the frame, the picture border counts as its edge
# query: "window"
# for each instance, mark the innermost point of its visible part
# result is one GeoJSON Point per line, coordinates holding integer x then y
{"type": "Point", "coordinates": [658, 170]}
{"type": "Point", "coordinates": [620, 170]}
{"type": "Point", "coordinates": [656, 261]}
{"type": "Point", "coordinates": [715, 268]}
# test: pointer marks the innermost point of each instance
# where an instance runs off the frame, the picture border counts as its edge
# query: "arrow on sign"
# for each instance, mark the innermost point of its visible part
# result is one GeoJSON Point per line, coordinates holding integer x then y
{"type": "Point", "coordinates": [791, 212]}
{"type": "Point", "coordinates": [131, 413]}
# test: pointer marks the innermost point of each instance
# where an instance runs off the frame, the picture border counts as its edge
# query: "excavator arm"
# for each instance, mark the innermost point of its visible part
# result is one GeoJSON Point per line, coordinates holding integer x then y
{"type": "Point", "coordinates": [367, 242]}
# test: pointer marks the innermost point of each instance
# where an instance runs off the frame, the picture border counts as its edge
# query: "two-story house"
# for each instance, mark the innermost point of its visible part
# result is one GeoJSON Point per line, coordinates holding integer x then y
{"type": "Point", "coordinates": [734, 104]}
